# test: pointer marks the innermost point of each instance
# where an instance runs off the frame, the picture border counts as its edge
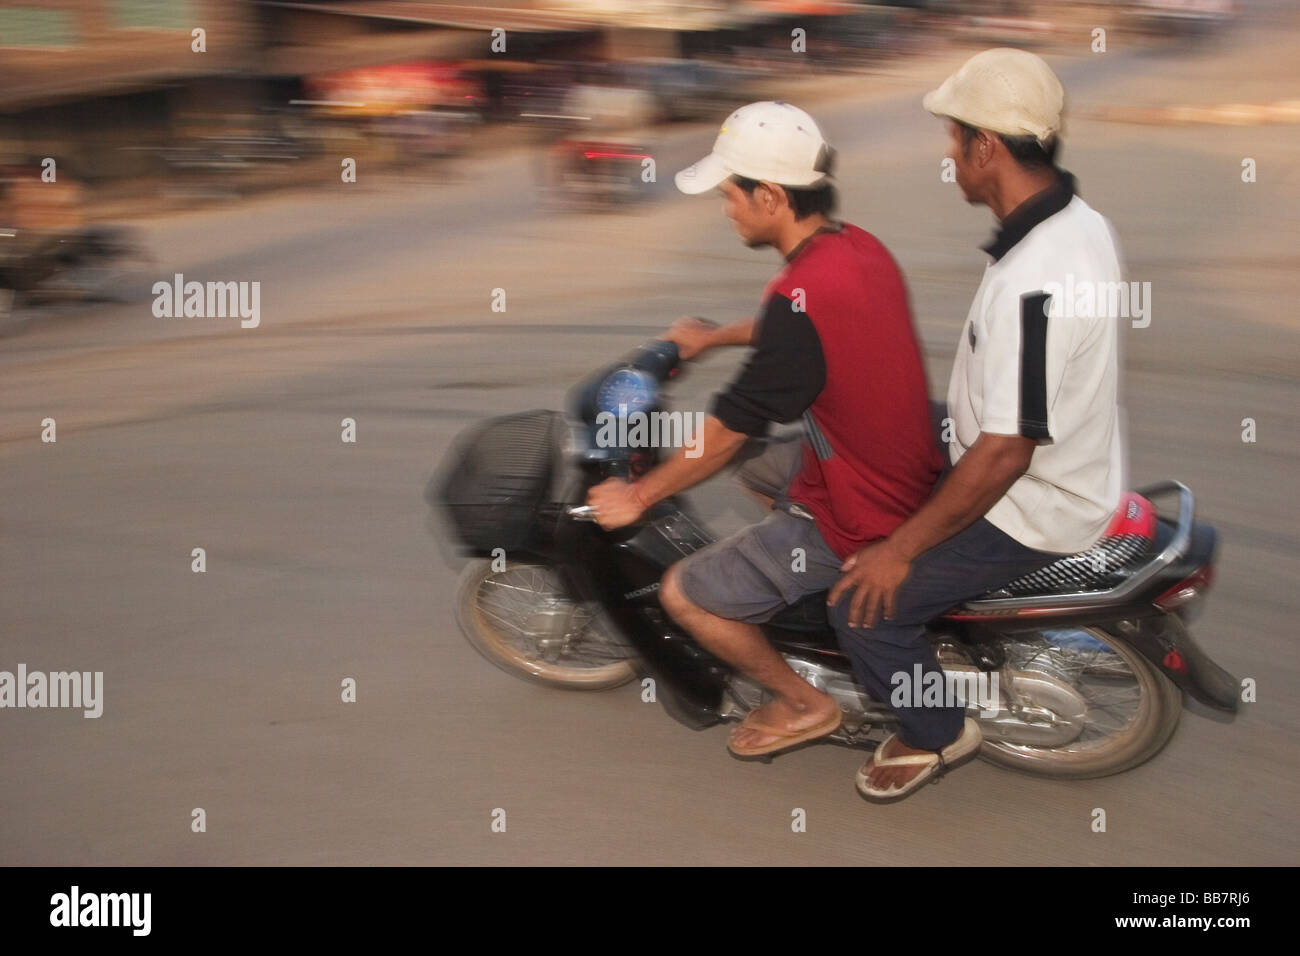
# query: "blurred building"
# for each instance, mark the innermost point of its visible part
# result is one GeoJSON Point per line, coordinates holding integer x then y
{"type": "Point", "coordinates": [85, 78]}
{"type": "Point", "coordinates": [116, 88]}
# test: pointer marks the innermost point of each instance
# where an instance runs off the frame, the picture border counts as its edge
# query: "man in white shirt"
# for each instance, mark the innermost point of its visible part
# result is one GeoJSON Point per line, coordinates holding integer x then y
{"type": "Point", "coordinates": [1036, 453]}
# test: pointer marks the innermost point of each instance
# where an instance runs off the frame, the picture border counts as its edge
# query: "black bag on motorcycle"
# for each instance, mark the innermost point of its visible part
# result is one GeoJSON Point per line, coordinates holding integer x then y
{"type": "Point", "coordinates": [495, 477]}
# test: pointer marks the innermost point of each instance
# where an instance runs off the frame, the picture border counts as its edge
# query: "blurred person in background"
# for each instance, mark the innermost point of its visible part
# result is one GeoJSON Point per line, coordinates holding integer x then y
{"type": "Point", "coordinates": [834, 344]}
{"type": "Point", "coordinates": [35, 216]}
{"type": "Point", "coordinates": [1035, 447]}
{"type": "Point", "coordinates": [35, 206]}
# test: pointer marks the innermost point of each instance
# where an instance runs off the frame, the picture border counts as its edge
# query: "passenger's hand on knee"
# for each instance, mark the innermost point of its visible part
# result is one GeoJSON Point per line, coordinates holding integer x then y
{"type": "Point", "coordinates": [873, 577]}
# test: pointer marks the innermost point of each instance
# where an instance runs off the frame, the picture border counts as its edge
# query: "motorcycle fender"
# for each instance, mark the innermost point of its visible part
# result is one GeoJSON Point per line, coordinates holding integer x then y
{"type": "Point", "coordinates": [1165, 642]}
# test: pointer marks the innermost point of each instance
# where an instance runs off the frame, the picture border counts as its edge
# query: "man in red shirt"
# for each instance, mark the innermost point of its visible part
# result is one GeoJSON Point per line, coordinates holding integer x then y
{"type": "Point", "coordinates": [834, 345]}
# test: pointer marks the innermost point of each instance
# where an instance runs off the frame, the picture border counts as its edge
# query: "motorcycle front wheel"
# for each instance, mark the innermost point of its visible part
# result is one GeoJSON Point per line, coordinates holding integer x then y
{"type": "Point", "coordinates": [522, 621]}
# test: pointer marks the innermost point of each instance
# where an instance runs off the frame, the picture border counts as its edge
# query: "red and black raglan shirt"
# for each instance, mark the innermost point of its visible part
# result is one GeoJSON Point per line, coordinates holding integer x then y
{"type": "Point", "coordinates": [836, 346]}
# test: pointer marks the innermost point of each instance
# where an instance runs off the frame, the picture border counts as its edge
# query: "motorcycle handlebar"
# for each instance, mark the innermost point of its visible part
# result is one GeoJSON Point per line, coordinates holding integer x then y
{"type": "Point", "coordinates": [581, 513]}
{"type": "Point", "coordinates": [658, 357]}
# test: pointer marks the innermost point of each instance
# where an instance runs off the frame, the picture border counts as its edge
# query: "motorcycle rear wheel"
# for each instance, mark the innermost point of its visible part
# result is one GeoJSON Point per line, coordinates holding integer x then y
{"type": "Point", "coordinates": [1145, 718]}
{"type": "Point", "coordinates": [521, 620]}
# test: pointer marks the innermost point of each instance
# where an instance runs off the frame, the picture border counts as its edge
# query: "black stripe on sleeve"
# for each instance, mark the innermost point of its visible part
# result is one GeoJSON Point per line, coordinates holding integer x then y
{"type": "Point", "coordinates": [1033, 365]}
{"type": "Point", "coordinates": [784, 375]}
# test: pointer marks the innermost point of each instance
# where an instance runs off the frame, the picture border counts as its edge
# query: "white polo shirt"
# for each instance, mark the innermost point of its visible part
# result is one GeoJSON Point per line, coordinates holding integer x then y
{"type": "Point", "coordinates": [1048, 372]}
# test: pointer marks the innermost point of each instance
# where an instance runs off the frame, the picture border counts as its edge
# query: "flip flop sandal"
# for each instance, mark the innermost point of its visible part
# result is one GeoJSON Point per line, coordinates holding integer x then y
{"type": "Point", "coordinates": [960, 750]}
{"type": "Point", "coordinates": [787, 739]}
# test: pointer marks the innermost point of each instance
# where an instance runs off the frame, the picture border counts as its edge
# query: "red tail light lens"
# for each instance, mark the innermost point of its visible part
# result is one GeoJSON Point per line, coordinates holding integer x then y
{"type": "Point", "coordinates": [601, 154]}
{"type": "Point", "coordinates": [1188, 589]}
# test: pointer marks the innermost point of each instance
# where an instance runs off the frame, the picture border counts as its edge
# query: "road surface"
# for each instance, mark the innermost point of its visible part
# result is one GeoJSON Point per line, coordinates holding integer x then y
{"type": "Point", "coordinates": [222, 689]}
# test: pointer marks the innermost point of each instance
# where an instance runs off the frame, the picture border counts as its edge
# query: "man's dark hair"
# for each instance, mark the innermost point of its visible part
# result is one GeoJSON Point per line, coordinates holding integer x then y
{"type": "Point", "coordinates": [816, 200]}
{"type": "Point", "coordinates": [1025, 150]}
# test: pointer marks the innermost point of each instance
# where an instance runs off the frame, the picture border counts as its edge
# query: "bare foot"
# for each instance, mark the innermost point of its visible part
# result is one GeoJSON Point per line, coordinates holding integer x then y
{"type": "Point", "coordinates": [882, 778]}
{"type": "Point", "coordinates": [790, 716]}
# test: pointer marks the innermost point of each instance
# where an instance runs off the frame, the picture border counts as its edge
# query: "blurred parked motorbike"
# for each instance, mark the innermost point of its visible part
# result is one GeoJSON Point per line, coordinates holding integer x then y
{"type": "Point", "coordinates": [91, 263]}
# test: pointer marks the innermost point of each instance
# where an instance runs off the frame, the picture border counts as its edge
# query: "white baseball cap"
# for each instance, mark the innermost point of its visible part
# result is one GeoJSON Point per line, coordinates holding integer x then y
{"type": "Point", "coordinates": [1003, 90]}
{"type": "Point", "coordinates": [771, 141]}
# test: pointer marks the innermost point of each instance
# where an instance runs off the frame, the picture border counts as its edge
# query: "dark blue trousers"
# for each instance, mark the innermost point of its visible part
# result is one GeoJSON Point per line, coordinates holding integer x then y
{"type": "Point", "coordinates": [969, 564]}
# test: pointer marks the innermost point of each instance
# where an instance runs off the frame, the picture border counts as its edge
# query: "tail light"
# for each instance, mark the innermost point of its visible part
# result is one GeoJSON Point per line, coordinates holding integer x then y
{"type": "Point", "coordinates": [1186, 591]}
{"type": "Point", "coordinates": [606, 154]}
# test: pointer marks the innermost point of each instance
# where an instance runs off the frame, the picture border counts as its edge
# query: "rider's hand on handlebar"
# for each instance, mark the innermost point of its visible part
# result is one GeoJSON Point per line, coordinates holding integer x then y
{"type": "Point", "coordinates": [692, 336]}
{"type": "Point", "coordinates": [615, 502]}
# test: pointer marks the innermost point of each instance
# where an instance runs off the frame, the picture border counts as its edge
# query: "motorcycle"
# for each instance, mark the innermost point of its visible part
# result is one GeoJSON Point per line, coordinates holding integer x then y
{"type": "Point", "coordinates": [595, 158]}
{"type": "Point", "coordinates": [1091, 654]}
{"type": "Point", "coordinates": [594, 173]}
{"type": "Point", "coordinates": [94, 263]}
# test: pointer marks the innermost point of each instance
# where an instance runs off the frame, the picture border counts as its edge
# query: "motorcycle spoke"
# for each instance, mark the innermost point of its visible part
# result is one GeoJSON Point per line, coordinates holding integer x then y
{"type": "Point", "coordinates": [510, 599]}
{"type": "Point", "coordinates": [1109, 688]}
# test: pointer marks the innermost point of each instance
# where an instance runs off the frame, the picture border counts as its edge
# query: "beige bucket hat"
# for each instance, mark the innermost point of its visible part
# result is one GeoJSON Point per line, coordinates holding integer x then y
{"type": "Point", "coordinates": [1003, 90]}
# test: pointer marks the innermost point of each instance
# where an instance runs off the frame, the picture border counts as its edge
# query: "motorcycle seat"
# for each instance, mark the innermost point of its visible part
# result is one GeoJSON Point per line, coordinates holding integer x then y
{"type": "Point", "coordinates": [805, 616]}
{"type": "Point", "coordinates": [1125, 545]}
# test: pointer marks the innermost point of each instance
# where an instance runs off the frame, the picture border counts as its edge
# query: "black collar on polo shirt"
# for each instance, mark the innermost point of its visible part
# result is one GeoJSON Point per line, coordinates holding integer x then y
{"type": "Point", "coordinates": [1030, 213]}
{"type": "Point", "coordinates": [833, 225]}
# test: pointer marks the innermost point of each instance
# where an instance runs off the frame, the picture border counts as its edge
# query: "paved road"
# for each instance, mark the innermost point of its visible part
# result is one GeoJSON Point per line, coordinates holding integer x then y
{"type": "Point", "coordinates": [222, 690]}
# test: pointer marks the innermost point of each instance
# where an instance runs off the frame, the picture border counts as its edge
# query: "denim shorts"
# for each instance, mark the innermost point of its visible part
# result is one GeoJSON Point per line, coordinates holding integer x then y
{"type": "Point", "coordinates": [756, 572]}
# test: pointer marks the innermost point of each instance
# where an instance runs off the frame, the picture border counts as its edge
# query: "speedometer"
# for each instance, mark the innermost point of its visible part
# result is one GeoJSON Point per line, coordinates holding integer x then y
{"type": "Point", "coordinates": [626, 391]}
